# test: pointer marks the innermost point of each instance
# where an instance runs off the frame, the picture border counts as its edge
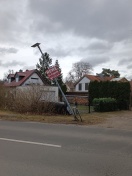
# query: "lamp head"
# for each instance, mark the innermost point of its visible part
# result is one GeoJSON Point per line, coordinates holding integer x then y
{"type": "Point", "coordinates": [36, 44]}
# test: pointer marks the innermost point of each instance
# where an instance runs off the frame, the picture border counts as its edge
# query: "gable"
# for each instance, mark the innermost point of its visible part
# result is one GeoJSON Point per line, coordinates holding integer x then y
{"type": "Point", "coordinates": [33, 79]}
{"type": "Point", "coordinates": [84, 80]}
{"type": "Point", "coordinates": [26, 78]}
{"type": "Point", "coordinates": [82, 85]}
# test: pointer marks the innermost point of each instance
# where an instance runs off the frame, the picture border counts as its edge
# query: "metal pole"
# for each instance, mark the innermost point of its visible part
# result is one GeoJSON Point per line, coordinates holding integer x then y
{"type": "Point", "coordinates": [70, 109]}
{"type": "Point", "coordinates": [66, 101]}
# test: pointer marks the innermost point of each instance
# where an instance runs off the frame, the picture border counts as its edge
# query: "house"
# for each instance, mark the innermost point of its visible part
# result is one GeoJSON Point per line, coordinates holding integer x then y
{"type": "Point", "coordinates": [23, 80]}
{"type": "Point", "coordinates": [81, 87]}
{"type": "Point", "coordinates": [69, 86]}
{"type": "Point", "coordinates": [121, 79]}
{"type": "Point", "coordinates": [82, 84]}
{"type": "Point", "coordinates": [80, 91]}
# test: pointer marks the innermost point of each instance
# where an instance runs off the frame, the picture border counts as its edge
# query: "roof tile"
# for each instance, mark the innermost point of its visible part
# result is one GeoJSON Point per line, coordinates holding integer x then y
{"type": "Point", "coordinates": [25, 75]}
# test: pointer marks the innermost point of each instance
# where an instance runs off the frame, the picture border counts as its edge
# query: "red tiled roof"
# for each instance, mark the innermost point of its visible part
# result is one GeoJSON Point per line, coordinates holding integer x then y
{"type": "Point", "coordinates": [22, 73]}
{"type": "Point", "coordinates": [10, 76]}
{"type": "Point", "coordinates": [92, 77]}
{"type": "Point", "coordinates": [25, 75]}
{"type": "Point", "coordinates": [95, 78]}
{"type": "Point", "coordinates": [105, 78]}
{"type": "Point", "coordinates": [99, 78]}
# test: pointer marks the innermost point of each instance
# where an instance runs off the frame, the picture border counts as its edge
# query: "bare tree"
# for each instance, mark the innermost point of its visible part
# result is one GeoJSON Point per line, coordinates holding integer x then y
{"type": "Point", "coordinates": [79, 69]}
{"type": "Point", "coordinates": [7, 73]}
{"type": "Point", "coordinates": [70, 77]}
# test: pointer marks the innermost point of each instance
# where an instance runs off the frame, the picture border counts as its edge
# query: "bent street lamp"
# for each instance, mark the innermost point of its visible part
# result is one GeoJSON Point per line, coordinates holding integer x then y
{"type": "Point", "coordinates": [37, 45]}
{"type": "Point", "coordinates": [66, 101]}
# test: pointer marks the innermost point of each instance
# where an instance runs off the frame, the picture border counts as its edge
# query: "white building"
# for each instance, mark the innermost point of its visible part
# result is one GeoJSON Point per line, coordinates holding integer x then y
{"type": "Point", "coordinates": [30, 81]}
{"type": "Point", "coordinates": [83, 83]}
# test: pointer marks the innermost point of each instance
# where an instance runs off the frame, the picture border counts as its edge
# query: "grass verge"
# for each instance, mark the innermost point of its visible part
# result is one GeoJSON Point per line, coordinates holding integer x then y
{"type": "Point", "coordinates": [88, 119]}
{"type": "Point", "coordinates": [93, 118]}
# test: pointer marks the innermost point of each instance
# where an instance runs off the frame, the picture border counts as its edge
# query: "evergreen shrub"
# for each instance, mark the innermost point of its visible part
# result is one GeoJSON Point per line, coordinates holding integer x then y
{"type": "Point", "coordinates": [120, 91]}
{"type": "Point", "coordinates": [104, 104]}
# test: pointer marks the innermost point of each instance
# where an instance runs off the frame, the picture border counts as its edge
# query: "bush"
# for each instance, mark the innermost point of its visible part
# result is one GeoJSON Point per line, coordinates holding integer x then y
{"type": "Point", "coordinates": [104, 104]}
{"type": "Point", "coordinates": [5, 100]}
{"type": "Point", "coordinates": [117, 90]}
{"type": "Point", "coordinates": [29, 100]}
{"type": "Point", "coordinates": [123, 104]}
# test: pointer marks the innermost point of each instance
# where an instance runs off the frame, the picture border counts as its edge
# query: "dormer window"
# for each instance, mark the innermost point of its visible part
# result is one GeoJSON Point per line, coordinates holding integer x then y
{"type": "Point", "coordinates": [10, 78]}
{"type": "Point", "coordinates": [20, 78]}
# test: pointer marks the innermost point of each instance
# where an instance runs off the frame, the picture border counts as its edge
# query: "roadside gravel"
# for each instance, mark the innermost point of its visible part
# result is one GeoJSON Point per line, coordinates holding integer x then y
{"type": "Point", "coordinates": [121, 120]}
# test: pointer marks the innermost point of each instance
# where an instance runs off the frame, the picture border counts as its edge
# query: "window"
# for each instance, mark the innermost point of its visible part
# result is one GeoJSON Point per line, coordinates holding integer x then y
{"type": "Point", "coordinates": [20, 78]}
{"type": "Point", "coordinates": [35, 78]}
{"type": "Point", "coordinates": [86, 86]}
{"type": "Point", "coordinates": [80, 86]}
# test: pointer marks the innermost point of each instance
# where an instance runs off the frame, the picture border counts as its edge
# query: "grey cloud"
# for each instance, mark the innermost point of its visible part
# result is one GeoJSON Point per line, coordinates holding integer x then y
{"type": "Point", "coordinates": [100, 46]}
{"type": "Point", "coordinates": [93, 27]}
{"type": "Point", "coordinates": [100, 19]}
{"type": "Point", "coordinates": [125, 61]}
{"type": "Point", "coordinates": [63, 52]}
{"type": "Point", "coordinates": [96, 60]}
{"type": "Point", "coordinates": [8, 50]}
{"type": "Point", "coordinates": [129, 66]}
{"type": "Point", "coordinates": [109, 20]}
{"type": "Point", "coordinates": [59, 52]}
{"type": "Point", "coordinates": [11, 63]}
{"type": "Point", "coordinates": [28, 67]}
{"type": "Point", "coordinates": [12, 21]}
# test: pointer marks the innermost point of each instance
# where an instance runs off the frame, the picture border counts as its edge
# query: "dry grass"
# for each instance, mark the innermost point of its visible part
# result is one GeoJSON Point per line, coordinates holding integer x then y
{"type": "Point", "coordinates": [92, 118]}
{"type": "Point", "coordinates": [88, 119]}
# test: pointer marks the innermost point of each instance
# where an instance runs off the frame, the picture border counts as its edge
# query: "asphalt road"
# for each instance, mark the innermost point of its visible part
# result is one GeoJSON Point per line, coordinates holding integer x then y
{"type": "Point", "coordinates": [36, 149]}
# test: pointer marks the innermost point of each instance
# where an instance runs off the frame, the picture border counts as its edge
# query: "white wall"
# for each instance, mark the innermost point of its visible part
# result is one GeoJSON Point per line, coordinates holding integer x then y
{"type": "Point", "coordinates": [50, 93]}
{"type": "Point", "coordinates": [47, 93]}
{"type": "Point", "coordinates": [30, 80]}
{"type": "Point", "coordinates": [83, 81]}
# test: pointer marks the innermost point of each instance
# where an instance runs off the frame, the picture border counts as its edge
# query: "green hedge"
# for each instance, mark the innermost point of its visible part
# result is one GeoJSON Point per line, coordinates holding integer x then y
{"type": "Point", "coordinates": [104, 104]}
{"type": "Point", "coordinates": [117, 90]}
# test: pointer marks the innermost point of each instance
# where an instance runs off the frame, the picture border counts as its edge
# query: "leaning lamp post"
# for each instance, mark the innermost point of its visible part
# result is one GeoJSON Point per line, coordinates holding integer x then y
{"type": "Point", "coordinates": [66, 101]}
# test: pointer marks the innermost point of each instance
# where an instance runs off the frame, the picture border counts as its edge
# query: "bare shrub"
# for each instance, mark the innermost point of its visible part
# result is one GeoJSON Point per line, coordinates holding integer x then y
{"type": "Point", "coordinates": [2, 96]}
{"type": "Point", "coordinates": [32, 99]}
{"type": "Point", "coordinates": [6, 97]}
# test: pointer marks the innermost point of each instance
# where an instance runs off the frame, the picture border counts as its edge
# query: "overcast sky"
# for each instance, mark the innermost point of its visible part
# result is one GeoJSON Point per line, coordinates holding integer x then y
{"type": "Point", "coordinates": [96, 31]}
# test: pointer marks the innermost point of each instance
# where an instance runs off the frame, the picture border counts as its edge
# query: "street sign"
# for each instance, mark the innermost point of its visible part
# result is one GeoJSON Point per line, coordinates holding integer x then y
{"type": "Point", "coordinates": [53, 72]}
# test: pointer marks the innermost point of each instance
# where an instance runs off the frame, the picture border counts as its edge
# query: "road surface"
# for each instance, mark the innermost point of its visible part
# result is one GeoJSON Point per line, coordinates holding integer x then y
{"type": "Point", "coordinates": [37, 149]}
